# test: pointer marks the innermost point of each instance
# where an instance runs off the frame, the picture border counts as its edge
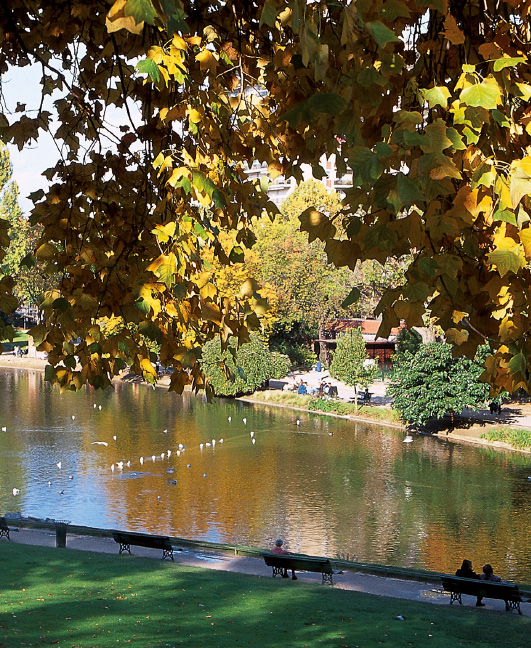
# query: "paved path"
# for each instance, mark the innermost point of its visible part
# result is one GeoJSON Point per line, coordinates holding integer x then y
{"type": "Point", "coordinates": [380, 586]}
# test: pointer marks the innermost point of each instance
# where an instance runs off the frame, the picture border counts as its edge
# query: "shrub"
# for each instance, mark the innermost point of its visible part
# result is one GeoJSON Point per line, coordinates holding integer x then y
{"type": "Point", "coordinates": [237, 371]}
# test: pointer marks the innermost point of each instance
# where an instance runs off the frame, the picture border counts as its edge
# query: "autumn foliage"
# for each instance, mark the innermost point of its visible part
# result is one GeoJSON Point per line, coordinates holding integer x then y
{"type": "Point", "coordinates": [425, 103]}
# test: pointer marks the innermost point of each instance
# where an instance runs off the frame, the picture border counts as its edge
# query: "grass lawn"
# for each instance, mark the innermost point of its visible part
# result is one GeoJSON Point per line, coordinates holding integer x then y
{"type": "Point", "coordinates": [79, 599]}
{"type": "Point", "coordinates": [20, 339]}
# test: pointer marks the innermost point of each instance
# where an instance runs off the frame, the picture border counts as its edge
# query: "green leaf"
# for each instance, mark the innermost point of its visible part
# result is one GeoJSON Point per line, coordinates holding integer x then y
{"type": "Point", "coordinates": [408, 190]}
{"type": "Point", "coordinates": [506, 260]}
{"type": "Point", "coordinates": [141, 10]}
{"type": "Point", "coordinates": [270, 11]}
{"type": "Point", "coordinates": [381, 34]}
{"type": "Point", "coordinates": [518, 363]}
{"type": "Point", "coordinates": [428, 266]}
{"type": "Point", "coordinates": [456, 139]}
{"type": "Point", "coordinates": [351, 298]}
{"type": "Point", "coordinates": [485, 95]}
{"type": "Point", "coordinates": [151, 331]}
{"type": "Point", "coordinates": [321, 103]}
{"type": "Point", "coordinates": [61, 304]}
{"type": "Point", "coordinates": [28, 261]}
{"type": "Point", "coordinates": [437, 96]}
{"type": "Point", "coordinates": [95, 347]}
{"type": "Point", "coordinates": [143, 306]}
{"type": "Point", "coordinates": [381, 236]}
{"type": "Point", "coordinates": [148, 66]}
{"type": "Point", "coordinates": [501, 63]}
{"type": "Point", "coordinates": [504, 215]}
{"type": "Point", "coordinates": [501, 119]}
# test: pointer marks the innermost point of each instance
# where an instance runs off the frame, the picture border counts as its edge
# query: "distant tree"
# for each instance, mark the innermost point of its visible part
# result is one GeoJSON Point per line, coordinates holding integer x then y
{"type": "Point", "coordinates": [350, 363]}
{"type": "Point", "coordinates": [431, 383]}
{"type": "Point", "coordinates": [235, 371]}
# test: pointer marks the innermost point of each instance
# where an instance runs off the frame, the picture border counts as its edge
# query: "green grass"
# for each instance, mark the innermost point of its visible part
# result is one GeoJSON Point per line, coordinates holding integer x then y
{"type": "Point", "coordinates": [20, 339]}
{"type": "Point", "coordinates": [292, 399]}
{"type": "Point", "coordinates": [517, 438]}
{"type": "Point", "coordinates": [86, 600]}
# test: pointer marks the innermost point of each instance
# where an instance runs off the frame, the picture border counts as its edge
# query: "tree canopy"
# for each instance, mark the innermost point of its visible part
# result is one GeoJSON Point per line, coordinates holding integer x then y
{"type": "Point", "coordinates": [157, 106]}
{"type": "Point", "coordinates": [430, 383]}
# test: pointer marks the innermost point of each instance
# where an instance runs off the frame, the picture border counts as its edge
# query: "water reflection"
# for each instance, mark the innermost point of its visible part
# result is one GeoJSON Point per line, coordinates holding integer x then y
{"type": "Point", "coordinates": [328, 486]}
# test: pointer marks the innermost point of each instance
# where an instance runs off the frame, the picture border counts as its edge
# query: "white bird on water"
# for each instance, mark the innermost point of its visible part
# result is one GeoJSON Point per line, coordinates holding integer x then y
{"type": "Point", "coordinates": [213, 442]}
{"type": "Point", "coordinates": [229, 419]}
{"type": "Point", "coordinates": [16, 491]}
{"type": "Point", "coordinates": [169, 453]}
{"type": "Point", "coordinates": [141, 461]}
{"type": "Point", "coordinates": [4, 429]}
{"type": "Point", "coordinates": [252, 435]}
{"type": "Point", "coordinates": [208, 444]}
{"type": "Point", "coordinates": [162, 455]}
{"type": "Point", "coordinates": [298, 422]}
{"type": "Point", "coordinates": [114, 437]}
{"type": "Point", "coordinates": [112, 467]}
{"type": "Point", "coordinates": [254, 441]}
{"type": "Point", "coordinates": [408, 439]}
{"type": "Point", "coordinates": [245, 421]}
{"type": "Point", "coordinates": [59, 464]}
{"type": "Point", "coordinates": [178, 453]}
{"type": "Point", "coordinates": [221, 440]}
{"type": "Point", "coordinates": [99, 407]}
{"type": "Point", "coordinates": [95, 406]}
{"type": "Point", "coordinates": [103, 443]}
{"type": "Point", "coordinates": [120, 465]}
{"type": "Point", "coordinates": [153, 457]}
{"type": "Point", "coordinates": [73, 417]}
{"type": "Point", "coordinates": [200, 446]}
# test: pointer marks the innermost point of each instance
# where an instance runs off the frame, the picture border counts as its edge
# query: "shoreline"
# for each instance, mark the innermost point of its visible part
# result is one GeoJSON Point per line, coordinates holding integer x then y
{"type": "Point", "coordinates": [470, 434]}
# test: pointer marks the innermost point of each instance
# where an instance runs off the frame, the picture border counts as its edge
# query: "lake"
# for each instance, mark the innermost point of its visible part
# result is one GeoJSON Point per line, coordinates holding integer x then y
{"type": "Point", "coordinates": [327, 485]}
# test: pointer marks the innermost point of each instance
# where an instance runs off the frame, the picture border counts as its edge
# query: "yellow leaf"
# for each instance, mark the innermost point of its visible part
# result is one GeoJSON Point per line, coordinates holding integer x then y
{"type": "Point", "coordinates": [207, 61]}
{"type": "Point", "coordinates": [194, 116]}
{"type": "Point", "coordinates": [455, 336]}
{"type": "Point", "coordinates": [147, 367]}
{"type": "Point", "coordinates": [116, 19]}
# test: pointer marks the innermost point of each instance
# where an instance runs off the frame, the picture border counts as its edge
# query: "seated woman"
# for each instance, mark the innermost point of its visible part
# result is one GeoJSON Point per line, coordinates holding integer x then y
{"type": "Point", "coordinates": [277, 549]}
{"type": "Point", "coordinates": [466, 571]}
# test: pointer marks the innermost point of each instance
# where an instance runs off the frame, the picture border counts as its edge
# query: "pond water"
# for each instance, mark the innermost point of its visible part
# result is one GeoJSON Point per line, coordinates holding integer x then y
{"type": "Point", "coordinates": [328, 486]}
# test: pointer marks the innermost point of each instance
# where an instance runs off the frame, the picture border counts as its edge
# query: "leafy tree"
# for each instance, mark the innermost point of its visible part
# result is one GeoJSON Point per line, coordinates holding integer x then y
{"type": "Point", "coordinates": [236, 371]}
{"type": "Point", "coordinates": [431, 383]}
{"type": "Point", "coordinates": [408, 341]}
{"type": "Point", "coordinates": [350, 363]}
{"type": "Point", "coordinates": [424, 102]}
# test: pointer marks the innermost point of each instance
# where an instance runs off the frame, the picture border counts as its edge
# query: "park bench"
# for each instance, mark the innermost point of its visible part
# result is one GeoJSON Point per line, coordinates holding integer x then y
{"type": "Point", "coordinates": [487, 589]}
{"type": "Point", "coordinates": [281, 562]}
{"type": "Point", "coordinates": [128, 538]}
{"type": "Point", "coordinates": [5, 529]}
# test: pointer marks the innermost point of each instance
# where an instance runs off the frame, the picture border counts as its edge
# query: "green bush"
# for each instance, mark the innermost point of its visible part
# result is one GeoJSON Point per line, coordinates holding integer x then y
{"type": "Point", "coordinates": [238, 371]}
{"type": "Point", "coordinates": [299, 354]}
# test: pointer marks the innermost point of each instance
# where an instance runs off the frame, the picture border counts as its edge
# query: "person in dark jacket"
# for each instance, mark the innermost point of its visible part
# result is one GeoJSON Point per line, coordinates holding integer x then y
{"type": "Point", "coordinates": [466, 571]}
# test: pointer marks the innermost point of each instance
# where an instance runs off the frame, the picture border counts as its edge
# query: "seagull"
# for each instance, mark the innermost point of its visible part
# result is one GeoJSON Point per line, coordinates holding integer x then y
{"type": "Point", "coordinates": [128, 464]}
{"type": "Point", "coordinates": [114, 437]}
{"type": "Point", "coordinates": [188, 465]}
{"type": "Point", "coordinates": [169, 454]}
{"type": "Point", "coordinates": [49, 483]}
{"type": "Point", "coordinates": [408, 439]}
{"type": "Point", "coordinates": [213, 442]}
{"type": "Point", "coordinates": [153, 457]}
{"type": "Point", "coordinates": [180, 446]}
{"type": "Point", "coordinates": [252, 435]}
{"type": "Point", "coordinates": [204, 474]}
{"type": "Point", "coordinates": [298, 422]}
{"type": "Point", "coordinates": [208, 444]}
{"type": "Point", "coordinates": [245, 421]}
{"type": "Point", "coordinates": [229, 419]}
{"type": "Point", "coordinates": [164, 431]}
{"type": "Point", "coordinates": [73, 417]}
{"type": "Point", "coordinates": [162, 455]}
{"type": "Point", "coordinates": [253, 440]}
{"type": "Point", "coordinates": [112, 467]}
{"type": "Point", "coordinates": [4, 429]}
{"type": "Point", "coordinates": [99, 407]}
{"type": "Point", "coordinates": [178, 453]}
{"type": "Point", "coordinates": [16, 491]}
{"type": "Point", "coordinates": [103, 443]}
{"type": "Point", "coordinates": [141, 460]}
{"type": "Point", "coordinates": [58, 464]}
{"type": "Point", "coordinates": [221, 440]}
{"type": "Point", "coordinates": [95, 406]}
{"type": "Point", "coordinates": [70, 477]}
{"type": "Point", "coordinates": [200, 446]}
{"type": "Point", "coordinates": [159, 497]}
{"type": "Point", "coordinates": [120, 465]}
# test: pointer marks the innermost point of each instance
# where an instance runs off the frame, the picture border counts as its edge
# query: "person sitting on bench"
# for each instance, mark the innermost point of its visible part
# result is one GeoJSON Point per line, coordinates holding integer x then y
{"type": "Point", "coordinates": [277, 549]}
{"type": "Point", "coordinates": [489, 575]}
{"type": "Point", "coordinates": [466, 571]}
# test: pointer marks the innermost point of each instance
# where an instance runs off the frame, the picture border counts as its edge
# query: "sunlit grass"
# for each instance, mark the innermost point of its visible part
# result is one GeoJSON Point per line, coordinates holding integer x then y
{"type": "Point", "coordinates": [80, 599]}
{"type": "Point", "coordinates": [335, 406]}
{"type": "Point", "coordinates": [518, 438]}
